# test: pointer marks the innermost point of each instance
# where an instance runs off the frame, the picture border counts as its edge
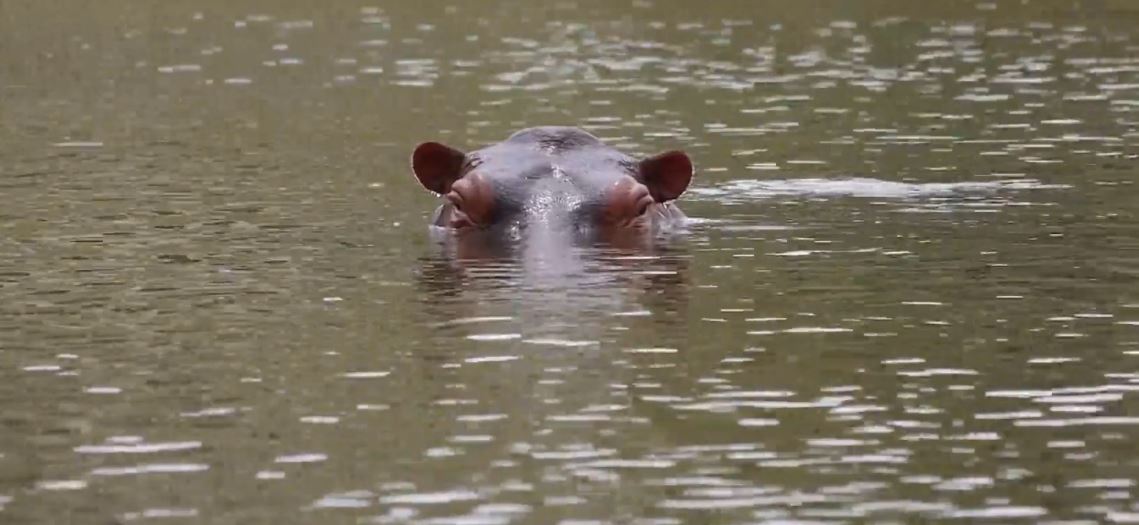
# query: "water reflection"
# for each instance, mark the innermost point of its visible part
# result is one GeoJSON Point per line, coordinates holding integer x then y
{"type": "Point", "coordinates": [552, 287]}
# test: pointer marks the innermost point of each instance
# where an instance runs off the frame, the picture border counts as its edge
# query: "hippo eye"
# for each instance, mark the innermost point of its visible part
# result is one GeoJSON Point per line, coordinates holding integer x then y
{"type": "Point", "coordinates": [643, 204]}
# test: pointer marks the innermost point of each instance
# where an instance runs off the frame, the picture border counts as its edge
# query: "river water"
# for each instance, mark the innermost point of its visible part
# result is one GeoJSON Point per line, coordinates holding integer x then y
{"type": "Point", "coordinates": [910, 291]}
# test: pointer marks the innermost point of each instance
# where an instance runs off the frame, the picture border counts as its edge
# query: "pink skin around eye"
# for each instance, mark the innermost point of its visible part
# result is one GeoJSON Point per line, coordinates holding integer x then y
{"type": "Point", "coordinates": [629, 200]}
{"type": "Point", "coordinates": [472, 202]}
{"type": "Point", "coordinates": [459, 218]}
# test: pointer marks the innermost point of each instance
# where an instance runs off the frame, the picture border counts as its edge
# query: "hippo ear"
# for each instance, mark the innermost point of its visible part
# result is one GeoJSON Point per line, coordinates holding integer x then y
{"type": "Point", "coordinates": [667, 175]}
{"type": "Point", "coordinates": [437, 166]}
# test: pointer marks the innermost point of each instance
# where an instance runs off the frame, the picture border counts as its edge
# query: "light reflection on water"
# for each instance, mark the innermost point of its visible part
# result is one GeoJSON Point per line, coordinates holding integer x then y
{"type": "Point", "coordinates": [908, 291]}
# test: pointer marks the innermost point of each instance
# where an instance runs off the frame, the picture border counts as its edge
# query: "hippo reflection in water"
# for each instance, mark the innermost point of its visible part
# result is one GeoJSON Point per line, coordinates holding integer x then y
{"type": "Point", "coordinates": [556, 180]}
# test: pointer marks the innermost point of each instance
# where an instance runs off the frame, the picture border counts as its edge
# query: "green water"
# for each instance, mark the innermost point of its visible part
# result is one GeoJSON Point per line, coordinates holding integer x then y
{"type": "Point", "coordinates": [910, 291]}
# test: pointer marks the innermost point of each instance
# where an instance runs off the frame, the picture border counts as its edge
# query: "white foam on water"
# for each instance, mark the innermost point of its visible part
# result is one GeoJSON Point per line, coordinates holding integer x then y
{"type": "Point", "coordinates": [430, 498]}
{"type": "Point", "coordinates": [494, 337]}
{"type": "Point", "coordinates": [301, 458]}
{"type": "Point", "coordinates": [139, 448]}
{"type": "Point", "coordinates": [491, 359]}
{"type": "Point", "coordinates": [741, 190]}
{"type": "Point", "coordinates": [549, 341]}
{"type": "Point", "coordinates": [366, 374]}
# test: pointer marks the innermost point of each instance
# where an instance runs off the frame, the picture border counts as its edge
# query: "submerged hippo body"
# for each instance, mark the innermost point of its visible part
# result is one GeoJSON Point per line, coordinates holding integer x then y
{"type": "Point", "coordinates": [553, 179]}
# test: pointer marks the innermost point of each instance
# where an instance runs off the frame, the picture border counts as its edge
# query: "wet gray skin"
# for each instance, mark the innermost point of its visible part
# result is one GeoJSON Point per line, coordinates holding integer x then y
{"type": "Point", "coordinates": [552, 186]}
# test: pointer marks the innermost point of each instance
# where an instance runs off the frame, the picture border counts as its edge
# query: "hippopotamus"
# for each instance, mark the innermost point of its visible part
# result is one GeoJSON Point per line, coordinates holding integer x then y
{"type": "Point", "coordinates": [553, 179]}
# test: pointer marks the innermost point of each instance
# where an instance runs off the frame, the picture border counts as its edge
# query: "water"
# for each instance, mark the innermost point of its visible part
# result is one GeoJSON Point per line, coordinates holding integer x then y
{"type": "Point", "coordinates": [909, 292]}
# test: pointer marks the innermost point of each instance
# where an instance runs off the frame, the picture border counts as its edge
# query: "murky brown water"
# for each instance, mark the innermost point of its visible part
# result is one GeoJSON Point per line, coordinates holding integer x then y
{"type": "Point", "coordinates": [911, 292]}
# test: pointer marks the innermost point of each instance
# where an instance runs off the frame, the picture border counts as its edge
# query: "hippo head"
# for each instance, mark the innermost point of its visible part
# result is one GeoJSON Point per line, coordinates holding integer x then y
{"type": "Point", "coordinates": [552, 177]}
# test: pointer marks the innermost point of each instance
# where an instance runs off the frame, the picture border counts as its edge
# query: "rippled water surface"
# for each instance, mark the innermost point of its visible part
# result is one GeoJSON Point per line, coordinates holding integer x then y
{"type": "Point", "coordinates": [910, 291]}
